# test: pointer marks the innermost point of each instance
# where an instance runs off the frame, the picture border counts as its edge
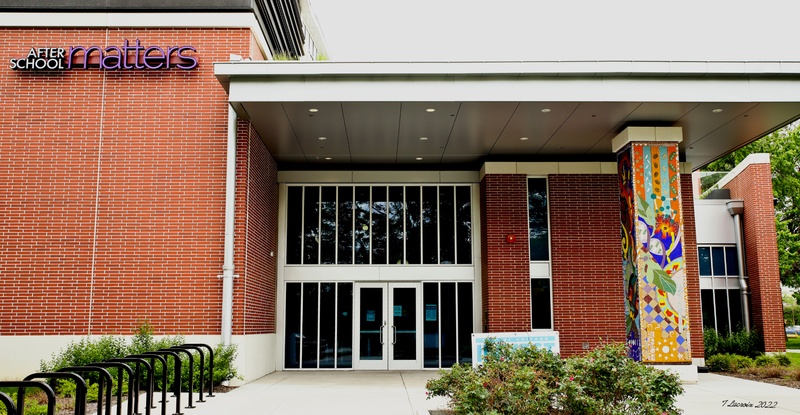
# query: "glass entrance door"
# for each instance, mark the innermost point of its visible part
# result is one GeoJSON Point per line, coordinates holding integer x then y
{"type": "Point", "coordinates": [387, 326]}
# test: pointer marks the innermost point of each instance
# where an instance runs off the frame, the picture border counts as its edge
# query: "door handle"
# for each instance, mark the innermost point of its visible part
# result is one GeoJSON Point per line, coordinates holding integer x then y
{"type": "Point", "coordinates": [381, 330]}
{"type": "Point", "coordinates": [394, 338]}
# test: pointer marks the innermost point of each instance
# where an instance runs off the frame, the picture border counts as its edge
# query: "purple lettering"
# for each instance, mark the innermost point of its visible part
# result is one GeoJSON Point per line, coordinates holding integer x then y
{"type": "Point", "coordinates": [158, 58]}
{"type": "Point", "coordinates": [136, 50]}
{"type": "Point", "coordinates": [170, 50]}
{"type": "Point", "coordinates": [106, 62]}
{"type": "Point", "coordinates": [86, 53]}
{"type": "Point", "coordinates": [124, 55]}
{"type": "Point", "coordinates": [192, 60]}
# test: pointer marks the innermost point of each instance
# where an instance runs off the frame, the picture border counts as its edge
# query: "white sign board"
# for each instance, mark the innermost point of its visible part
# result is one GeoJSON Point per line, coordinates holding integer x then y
{"type": "Point", "coordinates": [545, 339]}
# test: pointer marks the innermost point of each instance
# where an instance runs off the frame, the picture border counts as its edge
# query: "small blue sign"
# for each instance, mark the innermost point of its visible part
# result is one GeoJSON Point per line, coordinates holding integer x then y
{"type": "Point", "coordinates": [546, 339]}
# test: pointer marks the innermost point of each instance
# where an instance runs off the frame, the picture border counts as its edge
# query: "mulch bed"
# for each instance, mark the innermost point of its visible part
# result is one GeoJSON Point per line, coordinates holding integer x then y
{"type": "Point", "coordinates": [791, 383]}
{"type": "Point", "coordinates": [66, 406]}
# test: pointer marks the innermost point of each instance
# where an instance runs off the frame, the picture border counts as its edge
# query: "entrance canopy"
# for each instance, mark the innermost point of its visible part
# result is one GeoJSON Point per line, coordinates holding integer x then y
{"type": "Point", "coordinates": [449, 114]}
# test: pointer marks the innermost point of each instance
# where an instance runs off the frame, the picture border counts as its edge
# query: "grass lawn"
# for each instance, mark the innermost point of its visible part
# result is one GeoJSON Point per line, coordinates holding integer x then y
{"type": "Point", "coordinates": [793, 343]}
{"type": "Point", "coordinates": [795, 358]}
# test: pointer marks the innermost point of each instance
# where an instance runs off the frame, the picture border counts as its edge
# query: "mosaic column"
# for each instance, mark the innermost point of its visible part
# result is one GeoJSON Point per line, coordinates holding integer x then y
{"type": "Point", "coordinates": [654, 269]}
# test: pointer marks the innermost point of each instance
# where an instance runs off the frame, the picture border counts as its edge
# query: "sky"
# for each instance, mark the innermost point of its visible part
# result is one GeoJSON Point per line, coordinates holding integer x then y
{"type": "Point", "coordinates": [486, 30]}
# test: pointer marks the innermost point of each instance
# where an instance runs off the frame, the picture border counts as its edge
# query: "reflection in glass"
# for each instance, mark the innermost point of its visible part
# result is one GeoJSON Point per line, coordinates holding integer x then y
{"type": "Point", "coordinates": [345, 325]}
{"type": "Point", "coordinates": [309, 347]}
{"type": "Point", "coordinates": [704, 256]}
{"type": "Point", "coordinates": [311, 225]}
{"type": "Point", "coordinates": [371, 320]}
{"type": "Point", "coordinates": [430, 325]}
{"type": "Point", "coordinates": [464, 322]}
{"type": "Point", "coordinates": [430, 225]}
{"type": "Point", "coordinates": [718, 260]}
{"type": "Point", "coordinates": [345, 225]}
{"type": "Point", "coordinates": [413, 225]}
{"type": "Point", "coordinates": [463, 225]}
{"type": "Point", "coordinates": [707, 305]}
{"type": "Point", "coordinates": [735, 302]}
{"type": "Point", "coordinates": [731, 261]}
{"type": "Point", "coordinates": [378, 225]}
{"type": "Point", "coordinates": [396, 210]}
{"type": "Point", "coordinates": [449, 346]}
{"type": "Point", "coordinates": [404, 319]}
{"type": "Point", "coordinates": [721, 307]}
{"type": "Point", "coordinates": [362, 226]}
{"type": "Point", "coordinates": [293, 337]}
{"type": "Point", "coordinates": [539, 233]}
{"type": "Point", "coordinates": [447, 223]}
{"type": "Point", "coordinates": [294, 226]}
{"type": "Point", "coordinates": [327, 325]}
{"type": "Point", "coordinates": [328, 226]}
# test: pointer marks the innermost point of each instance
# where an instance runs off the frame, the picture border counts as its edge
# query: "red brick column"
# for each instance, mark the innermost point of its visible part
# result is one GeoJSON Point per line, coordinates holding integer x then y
{"type": "Point", "coordinates": [505, 266]}
{"type": "Point", "coordinates": [692, 268]}
{"type": "Point", "coordinates": [588, 294]}
{"type": "Point", "coordinates": [754, 186]}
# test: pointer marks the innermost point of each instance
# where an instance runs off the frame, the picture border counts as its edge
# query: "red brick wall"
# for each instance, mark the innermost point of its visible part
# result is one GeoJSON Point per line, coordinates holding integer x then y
{"type": "Point", "coordinates": [114, 186]}
{"type": "Point", "coordinates": [692, 268]}
{"type": "Point", "coordinates": [588, 293]}
{"type": "Point", "coordinates": [754, 186]}
{"type": "Point", "coordinates": [258, 235]}
{"type": "Point", "coordinates": [505, 266]}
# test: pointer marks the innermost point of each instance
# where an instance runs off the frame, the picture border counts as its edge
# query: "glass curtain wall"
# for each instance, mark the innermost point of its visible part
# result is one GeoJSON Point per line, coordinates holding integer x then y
{"type": "Point", "coordinates": [447, 323]}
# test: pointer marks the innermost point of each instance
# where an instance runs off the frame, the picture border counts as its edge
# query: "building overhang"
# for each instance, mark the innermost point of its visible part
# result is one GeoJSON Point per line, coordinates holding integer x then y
{"type": "Point", "coordinates": [377, 113]}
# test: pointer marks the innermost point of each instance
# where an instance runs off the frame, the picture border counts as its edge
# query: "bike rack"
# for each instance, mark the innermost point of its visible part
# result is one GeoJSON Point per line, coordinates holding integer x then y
{"type": "Point", "coordinates": [137, 375]}
{"type": "Point", "coordinates": [191, 371]}
{"type": "Point", "coordinates": [210, 369]}
{"type": "Point", "coordinates": [164, 367]}
{"type": "Point", "coordinates": [120, 379]}
{"type": "Point", "coordinates": [202, 369]}
{"type": "Point", "coordinates": [176, 383]}
{"type": "Point", "coordinates": [20, 408]}
{"type": "Point", "coordinates": [104, 376]}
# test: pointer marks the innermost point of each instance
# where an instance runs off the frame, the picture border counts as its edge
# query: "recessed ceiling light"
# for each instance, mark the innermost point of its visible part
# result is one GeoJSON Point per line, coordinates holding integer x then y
{"type": "Point", "coordinates": [430, 110]}
{"type": "Point", "coordinates": [313, 110]}
{"type": "Point", "coordinates": [419, 158]}
{"type": "Point", "coordinates": [524, 138]}
{"type": "Point", "coordinates": [322, 138]}
{"type": "Point", "coordinates": [716, 110]}
{"type": "Point", "coordinates": [423, 138]}
{"type": "Point", "coordinates": [328, 158]}
{"type": "Point", "coordinates": [546, 110]}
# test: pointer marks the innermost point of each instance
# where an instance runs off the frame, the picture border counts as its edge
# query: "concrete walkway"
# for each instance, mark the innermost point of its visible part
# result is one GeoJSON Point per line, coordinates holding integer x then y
{"type": "Point", "coordinates": [403, 393]}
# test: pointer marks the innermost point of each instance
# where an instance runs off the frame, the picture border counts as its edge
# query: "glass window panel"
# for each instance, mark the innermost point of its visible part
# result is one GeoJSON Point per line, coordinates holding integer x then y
{"type": "Point", "coordinates": [328, 226]}
{"type": "Point", "coordinates": [371, 320]}
{"type": "Point", "coordinates": [540, 303]}
{"type": "Point", "coordinates": [707, 304]}
{"type": "Point", "coordinates": [731, 261]}
{"type": "Point", "coordinates": [448, 315]}
{"type": "Point", "coordinates": [404, 323]}
{"type": "Point", "coordinates": [465, 322]}
{"type": "Point", "coordinates": [294, 225]}
{"type": "Point", "coordinates": [718, 260]}
{"type": "Point", "coordinates": [413, 225]}
{"type": "Point", "coordinates": [464, 224]}
{"type": "Point", "coordinates": [311, 225]}
{"type": "Point", "coordinates": [447, 225]}
{"type": "Point", "coordinates": [327, 325]}
{"type": "Point", "coordinates": [721, 306]}
{"type": "Point", "coordinates": [735, 302]}
{"type": "Point", "coordinates": [396, 211]}
{"type": "Point", "coordinates": [430, 298]}
{"type": "Point", "coordinates": [430, 227]}
{"type": "Point", "coordinates": [362, 225]}
{"type": "Point", "coordinates": [379, 225]}
{"type": "Point", "coordinates": [537, 220]}
{"type": "Point", "coordinates": [292, 348]}
{"type": "Point", "coordinates": [310, 315]}
{"type": "Point", "coordinates": [345, 226]}
{"type": "Point", "coordinates": [345, 325]}
{"type": "Point", "coordinates": [704, 256]}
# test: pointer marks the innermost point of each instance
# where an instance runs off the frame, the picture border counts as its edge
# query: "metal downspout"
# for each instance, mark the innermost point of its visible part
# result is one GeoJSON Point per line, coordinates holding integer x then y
{"type": "Point", "coordinates": [736, 209]}
{"type": "Point", "coordinates": [230, 199]}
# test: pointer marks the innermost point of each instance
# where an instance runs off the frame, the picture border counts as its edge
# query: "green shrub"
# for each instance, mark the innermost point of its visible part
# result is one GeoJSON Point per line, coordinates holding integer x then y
{"type": "Point", "coordinates": [534, 381]}
{"type": "Point", "coordinates": [782, 359]}
{"type": "Point", "coordinates": [764, 360]}
{"type": "Point", "coordinates": [739, 342]}
{"type": "Point", "coordinates": [728, 362]}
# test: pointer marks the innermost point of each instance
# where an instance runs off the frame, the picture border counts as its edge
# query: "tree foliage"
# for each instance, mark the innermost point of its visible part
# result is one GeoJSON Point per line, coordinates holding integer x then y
{"type": "Point", "coordinates": [784, 149]}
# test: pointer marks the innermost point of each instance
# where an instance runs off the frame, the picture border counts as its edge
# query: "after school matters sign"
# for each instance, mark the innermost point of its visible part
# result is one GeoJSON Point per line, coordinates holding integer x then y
{"type": "Point", "coordinates": [128, 56]}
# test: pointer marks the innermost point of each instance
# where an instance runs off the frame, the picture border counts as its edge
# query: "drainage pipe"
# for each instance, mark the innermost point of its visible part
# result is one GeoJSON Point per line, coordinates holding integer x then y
{"type": "Point", "coordinates": [736, 209]}
{"type": "Point", "coordinates": [230, 199]}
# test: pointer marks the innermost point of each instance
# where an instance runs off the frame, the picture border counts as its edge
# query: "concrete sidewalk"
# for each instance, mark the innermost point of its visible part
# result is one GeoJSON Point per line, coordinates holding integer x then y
{"type": "Point", "coordinates": [403, 393]}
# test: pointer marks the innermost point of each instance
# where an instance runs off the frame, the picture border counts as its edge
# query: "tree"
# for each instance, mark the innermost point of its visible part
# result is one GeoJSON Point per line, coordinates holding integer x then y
{"type": "Point", "coordinates": [784, 149]}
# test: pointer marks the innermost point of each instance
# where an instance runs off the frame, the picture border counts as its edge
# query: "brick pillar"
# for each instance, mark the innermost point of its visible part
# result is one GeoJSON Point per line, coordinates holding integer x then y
{"type": "Point", "coordinates": [505, 265]}
{"type": "Point", "coordinates": [654, 268]}
{"type": "Point", "coordinates": [754, 186]}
